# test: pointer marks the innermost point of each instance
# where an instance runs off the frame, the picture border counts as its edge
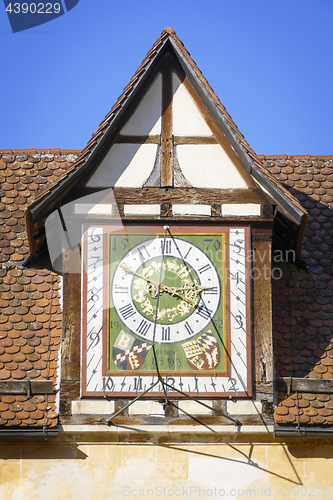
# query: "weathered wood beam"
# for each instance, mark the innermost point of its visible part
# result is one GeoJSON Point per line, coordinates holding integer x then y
{"type": "Point", "coordinates": [138, 139]}
{"type": "Point", "coordinates": [262, 306]}
{"type": "Point", "coordinates": [194, 140]}
{"type": "Point", "coordinates": [155, 139]}
{"type": "Point", "coordinates": [295, 384]}
{"type": "Point", "coordinates": [166, 125]}
{"type": "Point", "coordinates": [185, 195]}
{"type": "Point", "coordinates": [26, 387]}
{"type": "Point", "coordinates": [70, 364]}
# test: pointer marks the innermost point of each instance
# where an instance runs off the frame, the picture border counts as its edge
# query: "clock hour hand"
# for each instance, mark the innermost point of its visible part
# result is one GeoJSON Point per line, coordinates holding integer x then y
{"type": "Point", "coordinates": [195, 287]}
{"type": "Point", "coordinates": [163, 288]}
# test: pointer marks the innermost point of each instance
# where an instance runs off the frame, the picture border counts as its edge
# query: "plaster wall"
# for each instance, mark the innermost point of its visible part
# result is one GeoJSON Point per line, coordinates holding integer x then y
{"type": "Point", "coordinates": [79, 469]}
{"type": "Point", "coordinates": [146, 119]}
{"type": "Point", "coordinates": [187, 119]}
{"type": "Point", "coordinates": [208, 166]}
{"type": "Point", "coordinates": [125, 165]}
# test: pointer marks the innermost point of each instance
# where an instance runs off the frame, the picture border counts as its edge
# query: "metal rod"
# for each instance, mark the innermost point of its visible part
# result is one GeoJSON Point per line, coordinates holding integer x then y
{"type": "Point", "coordinates": [109, 422]}
{"type": "Point", "coordinates": [237, 422]}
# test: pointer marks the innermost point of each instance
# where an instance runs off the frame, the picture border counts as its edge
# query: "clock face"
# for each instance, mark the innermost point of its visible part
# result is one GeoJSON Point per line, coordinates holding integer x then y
{"type": "Point", "coordinates": [189, 292]}
{"type": "Point", "coordinates": [185, 291]}
{"type": "Point", "coordinates": [166, 291]}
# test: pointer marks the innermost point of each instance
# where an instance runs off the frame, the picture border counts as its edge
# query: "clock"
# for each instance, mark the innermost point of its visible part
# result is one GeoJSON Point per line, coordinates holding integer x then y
{"type": "Point", "coordinates": [184, 291]}
{"type": "Point", "coordinates": [166, 290]}
{"type": "Point", "coordinates": [189, 288]}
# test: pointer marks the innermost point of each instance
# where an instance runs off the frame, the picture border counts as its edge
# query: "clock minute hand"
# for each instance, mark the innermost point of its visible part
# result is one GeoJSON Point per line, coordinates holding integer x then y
{"type": "Point", "coordinates": [128, 270]}
{"type": "Point", "coordinates": [198, 288]}
{"type": "Point", "coordinates": [163, 288]}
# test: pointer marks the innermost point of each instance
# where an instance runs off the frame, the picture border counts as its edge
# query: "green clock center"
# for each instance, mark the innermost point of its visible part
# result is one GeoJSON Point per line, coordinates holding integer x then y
{"type": "Point", "coordinates": [179, 290]}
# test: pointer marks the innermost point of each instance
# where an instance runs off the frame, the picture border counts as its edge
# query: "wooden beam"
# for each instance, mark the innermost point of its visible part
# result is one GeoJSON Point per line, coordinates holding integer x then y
{"type": "Point", "coordinates": [295, 384]}
{"type": "Point", "coordinates": [70, 364]}
{"type": "Point", "coordinates": [138, 139]}
{"type": "Point", "coordinates": [262, 312]}
{"type": "Point", "coordinates": [187, 195]}
{"type": "Point", "coordinates": [166, 124]}
{"type": "Point", "coordinates": [155, 139]}
{"type": "Point", "coordinates": [194, 140]}
{"type": "Point", "coordinates": [26, 387]}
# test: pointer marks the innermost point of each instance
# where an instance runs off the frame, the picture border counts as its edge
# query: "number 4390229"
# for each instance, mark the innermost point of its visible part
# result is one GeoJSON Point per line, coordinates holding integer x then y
{"type": "Point", "coordinates": [33, 8]}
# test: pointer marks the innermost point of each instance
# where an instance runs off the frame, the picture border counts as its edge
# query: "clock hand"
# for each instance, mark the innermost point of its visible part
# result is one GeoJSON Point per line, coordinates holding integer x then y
{"type": "Point", "coordinates": [128, 270]}
{"type": "Point", "coordinates": [199, 288]}
{"type": "Point", "coordinates": [163, 288]}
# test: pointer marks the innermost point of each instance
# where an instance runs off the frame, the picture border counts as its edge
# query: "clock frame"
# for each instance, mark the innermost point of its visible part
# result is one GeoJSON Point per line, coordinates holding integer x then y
{"type": "Point", "coordinates": [203, 346]}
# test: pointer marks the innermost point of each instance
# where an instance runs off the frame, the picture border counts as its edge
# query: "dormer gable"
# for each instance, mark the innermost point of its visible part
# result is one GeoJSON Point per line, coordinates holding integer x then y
{"type": "Point", "coordinates": [170, 140]}
{"type": "Point", "coordinates": [167, 175]}
{"type": "Point", "coordinates": [147, 142]}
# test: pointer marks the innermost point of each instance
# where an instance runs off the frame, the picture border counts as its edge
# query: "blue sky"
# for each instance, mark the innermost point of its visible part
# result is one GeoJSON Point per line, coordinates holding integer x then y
{"type": "Point", "coordinates": [270, 63]}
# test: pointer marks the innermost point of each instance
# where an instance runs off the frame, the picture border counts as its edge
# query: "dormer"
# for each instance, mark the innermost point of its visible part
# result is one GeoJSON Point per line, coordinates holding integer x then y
{"type": "Point", "coordinates": [163, 231]}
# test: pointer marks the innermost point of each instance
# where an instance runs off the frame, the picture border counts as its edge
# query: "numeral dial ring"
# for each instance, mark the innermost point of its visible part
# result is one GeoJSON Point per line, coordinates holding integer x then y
{"type": "Point", "coordinates": [190, 290]}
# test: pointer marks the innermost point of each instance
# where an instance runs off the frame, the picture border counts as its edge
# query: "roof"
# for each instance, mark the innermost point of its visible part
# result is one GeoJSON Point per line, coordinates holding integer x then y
{"type": "Point", "coordinates": [303, 301]}
{"type": "Point", "coordinates": [24, 175]}
{"type": "Point", "coordinates": [30, 323]}
{"type": "Point", "coordinates": [30, 301]}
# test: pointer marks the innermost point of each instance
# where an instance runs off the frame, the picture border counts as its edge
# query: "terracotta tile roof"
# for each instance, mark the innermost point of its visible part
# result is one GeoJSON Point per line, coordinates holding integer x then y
{"type": "Point", "coordinates": [30, 312]}
{"type": "Point", "coordinates": [303, 301]}
{"type": "Point", "coordinates": [24, 175]}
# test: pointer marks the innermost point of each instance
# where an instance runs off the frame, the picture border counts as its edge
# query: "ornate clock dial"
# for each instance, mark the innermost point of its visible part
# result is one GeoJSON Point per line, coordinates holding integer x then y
{"type": "Point", "coordinates": [190, 291]}
{"type": "Point", "coordinates": [203, 330]}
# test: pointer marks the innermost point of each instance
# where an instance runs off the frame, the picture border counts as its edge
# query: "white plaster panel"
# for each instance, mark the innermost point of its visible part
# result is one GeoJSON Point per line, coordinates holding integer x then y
{"type": "Point", "coordinates": [146, 119]}
{"type": "Point", "coordinates": [92, 407]}
{"type": "Point", "coordinates": [92, 209]}
{"type": "Point", "coordinates": [244, 407]}
{"type": "Point", "coordinates": [187, 209]}
{"type": "Point", "coordinates": [125, 165]}
{"type": "Point", "coordinates": [193, 408]}
{"type": "Point", "coordinates": [140, 209]}
{"type": "Point", "coordinates": [244, 209]}
{"type": "Point", "coordinates": [187, 119]}
{"type": "Point", "coordinates": [146, 408]}
{"type": "Point", "coordinates": [208, 166]}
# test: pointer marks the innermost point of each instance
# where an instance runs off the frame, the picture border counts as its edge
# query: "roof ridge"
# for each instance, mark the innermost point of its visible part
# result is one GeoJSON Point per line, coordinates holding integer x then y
{"type": "Point", "coordinates": [294, 156]}
{"type": "Point", "coordinates": [38, 151]}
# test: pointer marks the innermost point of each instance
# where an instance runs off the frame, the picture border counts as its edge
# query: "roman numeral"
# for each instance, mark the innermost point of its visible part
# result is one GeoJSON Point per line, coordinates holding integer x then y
{"type": "Point", "coordinates": [204, 312]}
{"type": "Point", "coordinates": [137, 384]}
{"type": "Point", "coordinates": [188, 328]}
{"type": "Point", "coordinates": [167, 246]}
{"type": "Point", "coordinates": [143, 252]}
{"type": "Point", "coordinates": [143, 328]}
{"type": "Point", "coordinates": [165, 333]}
{"type": "Point", "coordinates": [120, 289]}
{"type": "Point", "coordinates": [211, 291]}
{"type": "Point", "coordinates": [188, 251]}
{"type": "Point", "coordinates": [204, 268]}
{"type": "Point", "coordinates": [127, 311]}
